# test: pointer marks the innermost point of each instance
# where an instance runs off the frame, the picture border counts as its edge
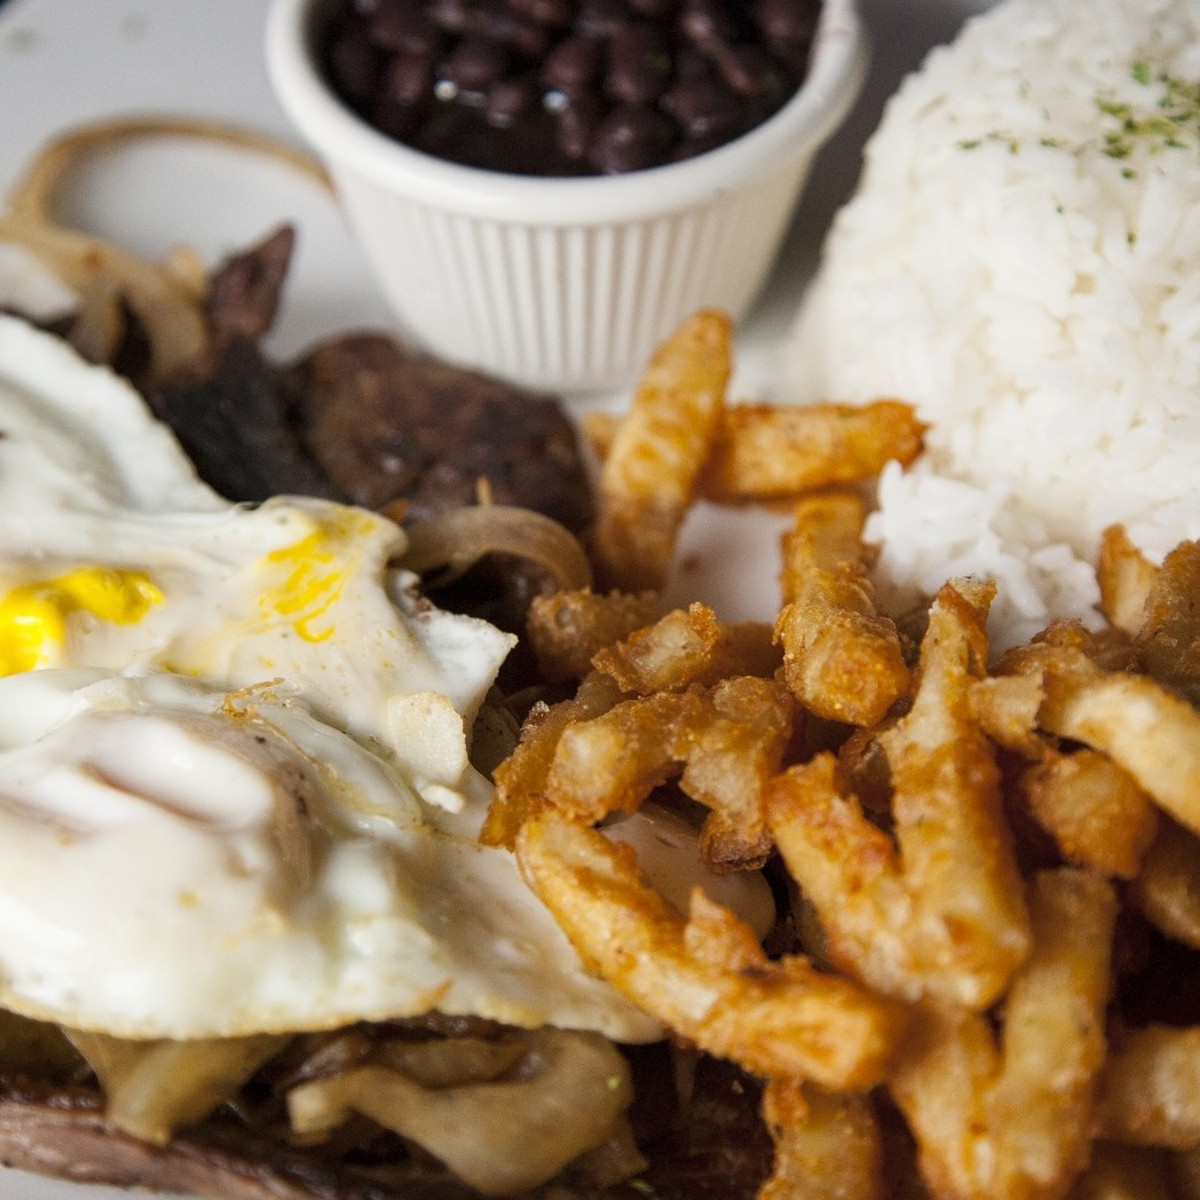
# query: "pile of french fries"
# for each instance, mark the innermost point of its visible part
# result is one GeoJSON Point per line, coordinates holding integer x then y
{"type": "Point", "coordinates": [977, 848]}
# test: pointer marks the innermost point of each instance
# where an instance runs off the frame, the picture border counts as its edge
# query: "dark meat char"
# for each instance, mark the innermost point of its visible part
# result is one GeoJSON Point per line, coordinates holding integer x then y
{"type": "Point", "coordinates": [385, 423]}
{"type": "Point", "coordinates": [717, 1150]}
{"type": "Point", "coordinates": [61, 1131]}
{"type": "Point", "coordinates": [231, 425]}
{"type": "Point", "coordinates": [360, 418]}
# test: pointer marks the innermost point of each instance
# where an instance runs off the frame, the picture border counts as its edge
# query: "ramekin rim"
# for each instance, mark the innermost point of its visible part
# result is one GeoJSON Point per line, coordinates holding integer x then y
{"type": "Point", "coordinates": [346, 141]}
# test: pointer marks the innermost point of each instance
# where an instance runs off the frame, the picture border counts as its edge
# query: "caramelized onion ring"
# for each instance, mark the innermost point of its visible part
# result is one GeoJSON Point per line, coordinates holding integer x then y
{"type": "Point", "coordinates": [32, 196]}
{"type": "Point", "coordinates": [167, 300]}
{"type": "Point", "coordinates": [454, 541]}
{"type": "Point", "coordinates": [501, 1137]}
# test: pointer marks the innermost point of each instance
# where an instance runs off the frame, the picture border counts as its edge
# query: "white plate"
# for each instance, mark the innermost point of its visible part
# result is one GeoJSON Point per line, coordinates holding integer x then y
{"type": "Point", "coordinates": [64, 62]}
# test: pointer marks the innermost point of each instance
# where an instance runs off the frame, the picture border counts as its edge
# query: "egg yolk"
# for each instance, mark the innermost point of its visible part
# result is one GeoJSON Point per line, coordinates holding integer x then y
{"type": "Point", "coordinates": [316, 570]}
{"type": "Point", "coordinates": [33, 617]}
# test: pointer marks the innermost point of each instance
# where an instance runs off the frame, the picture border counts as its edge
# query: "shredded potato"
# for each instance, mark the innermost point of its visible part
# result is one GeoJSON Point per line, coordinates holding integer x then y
{"type": "Point", "coordinates": [1015, 1119]}
{"type": "Point", "coordinates": [649, 479]}
{"type": "Point", "coordinates": [772, 452]}
{"type": "Point", "coordinates": [942, 915]}
{"type": "Point", "coordinates": [950, 841]}
{"type": "Point", "coordinates": [840, 658]}
{"type": "Point", "coordinates": [705, 975]}
{"type": "Point", "coordinates": [828, 1145]}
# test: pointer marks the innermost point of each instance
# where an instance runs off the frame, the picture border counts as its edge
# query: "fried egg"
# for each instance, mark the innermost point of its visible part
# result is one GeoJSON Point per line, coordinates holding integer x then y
{"type": "Point", "coordinates": [235, 794]}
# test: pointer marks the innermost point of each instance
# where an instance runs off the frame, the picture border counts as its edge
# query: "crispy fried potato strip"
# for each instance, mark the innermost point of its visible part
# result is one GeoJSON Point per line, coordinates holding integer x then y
{"type": "Point", "coordinates": [1150, 731]}
{"type": "Point", "coordinates": [1125, 1173]}
{"type": "Point", "coordinates": [689, 646]}
{"type": "Point", "coordinates": [1125, 576]}
{"type": "Point", "coordinates": [1097, 813]}
{"type": "Point", "coordinates": [842, 660]}
{"type": "Point", "coordinates": [1168, 639]}
{"type": "Point", "coordinates": [768, 452]}
{"type": "Point", "coordinates": [648, 480]}
{"type": "Point", "coordinates": [1151, 1088]}
{"type": "Point", "coordinates": [1167, 889]}
{"type": "Point", "coordinates": [705, 975]}
{"type": "Point", "coordinates": [1015, 1119]}
{"type": "Point", "coordinates": [958, 838]}
{"type": "Point", "coordinates": [723, 743]}
{"type": "Point", "coordinates": [939, 914]}
{"type": "Point", "coordinates": [520, 779]}
{"type": "Point", "coordinates": [566, 629]}
{"type": "Point", "coordinates": [828, 1145]}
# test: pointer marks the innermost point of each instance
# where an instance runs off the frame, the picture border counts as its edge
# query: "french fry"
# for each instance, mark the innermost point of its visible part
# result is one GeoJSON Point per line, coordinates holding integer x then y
{"type": "Point", "coordinates": [724, 743]}
{"type": "Point", "coordinates": [520, 780]}
{"type": "Point", "coordinates": [1125, 576]}
{"type": "Point", "coordinates": [705, 976]}
{"type": "Point", "coordinates": [1006, 707]}
{"type": "Point", "coordinates": [1182, 1169]}
{"type": "Point", "coordinates": [1124, 1173]}
{"type": "Point", "coordinates": [842, 660]}
{"type": "Point", "coordinates": [1168, 641]}
{"type": "Point", "coordinates": [771, 452]}
{"type": "Point", "coordinates": [1150, 1093]}
{"type": "Point", "coordinates": [1095, 811]}
{"type": "Point", "coordinates": [688, 646]}
{"type": "Point", "coordinates": [1150, 731]}
{"type": "Point", "coordinates": [828, 1145]}
{"type": "Point", "coordinates": [941, 913]}
{"type": "Point", "coordinates": [566, 629]}
{"type": "Point", "coordinates": [648, 481]}
{"type": "Point", "coordinates": [1015, 1120]}
{"type": "Point", "coordinates": [764, 452]}
{"type": "Point", "coordinates": [1166, 889]}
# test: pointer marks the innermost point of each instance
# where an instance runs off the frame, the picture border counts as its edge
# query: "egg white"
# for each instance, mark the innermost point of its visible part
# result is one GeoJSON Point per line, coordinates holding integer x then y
{"type": "Point", "coordinates": [235, 795]}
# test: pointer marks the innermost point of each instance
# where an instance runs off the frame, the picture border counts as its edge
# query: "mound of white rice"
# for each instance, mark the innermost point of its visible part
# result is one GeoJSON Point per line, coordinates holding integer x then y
{"type": "Point", "coordinates": [1022, 262]}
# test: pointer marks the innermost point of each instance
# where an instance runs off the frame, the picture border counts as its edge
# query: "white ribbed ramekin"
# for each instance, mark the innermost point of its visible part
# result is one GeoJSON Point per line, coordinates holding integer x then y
{"type": "Point", "coordinates": [565, 284]}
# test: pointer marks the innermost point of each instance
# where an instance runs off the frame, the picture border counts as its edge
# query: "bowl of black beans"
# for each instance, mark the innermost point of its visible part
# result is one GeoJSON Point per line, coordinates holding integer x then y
{"type": "Point", "coordinates": [544, 188]}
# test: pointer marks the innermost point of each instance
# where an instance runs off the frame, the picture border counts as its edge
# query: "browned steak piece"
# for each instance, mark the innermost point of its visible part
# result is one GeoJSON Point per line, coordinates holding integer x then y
{"type": "Point", "coordinates": [713, 1148]}
{"type": "Point", "coordinates": [360, 418]}
{"type": "Point", "coordinates": [231, 423]}
{"type": "Point", "coordinates": [386, 423]}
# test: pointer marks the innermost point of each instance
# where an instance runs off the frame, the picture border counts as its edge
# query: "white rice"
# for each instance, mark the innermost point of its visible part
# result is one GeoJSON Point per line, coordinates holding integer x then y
{"type": "Point", "coordinates": [1033, 287]}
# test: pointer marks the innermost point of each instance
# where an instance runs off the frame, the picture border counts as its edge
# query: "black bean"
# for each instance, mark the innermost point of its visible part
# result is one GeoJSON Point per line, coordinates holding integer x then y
{"type": "Point", "coordinates": [577, 125]}
{"type": "Point", "coordinates": [704, 106]}
{"type": "Point", "coordinates": [555, 13]}
{"type": "Point", "coordinates": [508, 99]}
{"type": "Point", "coordinates": [692, 63]}
{"type": "Point", "coordinates": [355, 66]}
{"type": "Point", "coordinates": [475, 64]}
{"type": "Point", "coordinates": [690, 147]}
{"type": "Point", "coordinates": [530, 39]}
{"type": "Point", "coordinates": [451, 15]}
{"type": "Point", "coordinates": [707, 21]}
{"type": "Point", "coordinates": [573, 64]}
{"type": "Point", "coordinates": [600, 18]}
{"type": "Point", "coordinates": [786, 20]}
{"type": "Point", "coordinates": [630, 139]}
{"type": "Point", "coordinates": [749, 69]}
{"type": "Point", "coordinates": [401, 121]}
{"type": "Point", "coordinates": [639, 65]}
{"type": "Point", "coordinates": [408, 78]}
{"type": "Point", "coordinates": [560, 87]}
{"type": "Point", "coordinates": [499, 25]}
{"type": "Point", "coordinates": [401, 26]}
